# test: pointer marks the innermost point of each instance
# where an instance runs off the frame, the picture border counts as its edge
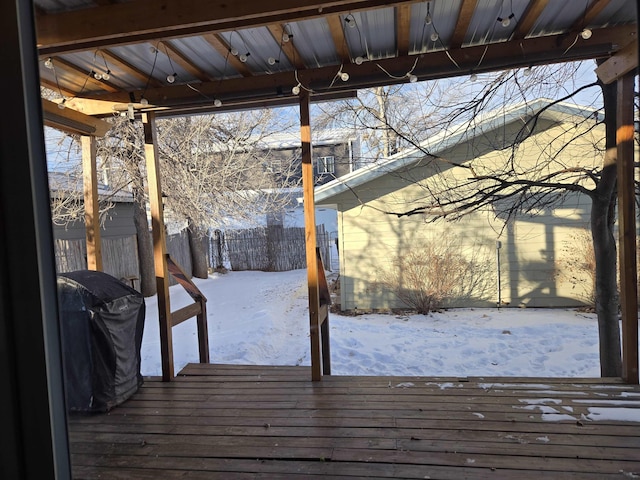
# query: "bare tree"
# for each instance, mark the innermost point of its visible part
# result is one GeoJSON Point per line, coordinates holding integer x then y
{"type": "Point", "coordinates": [511, 190]}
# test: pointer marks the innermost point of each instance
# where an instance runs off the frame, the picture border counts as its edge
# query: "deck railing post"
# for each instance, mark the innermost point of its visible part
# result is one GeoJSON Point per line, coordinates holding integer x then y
{"type": "Point", "coordinates": [91, 207]}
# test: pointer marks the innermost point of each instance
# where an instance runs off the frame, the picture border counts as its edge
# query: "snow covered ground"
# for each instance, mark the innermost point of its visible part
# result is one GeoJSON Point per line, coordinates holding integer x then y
{"type": "Point", "coordinates": [261, 318]}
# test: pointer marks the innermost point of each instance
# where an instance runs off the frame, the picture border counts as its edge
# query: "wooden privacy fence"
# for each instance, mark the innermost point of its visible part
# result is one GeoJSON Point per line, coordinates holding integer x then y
{"type": "Point", "coordinates": [120, 256]}
{"type": "Point", "coordinates": [271, 249]}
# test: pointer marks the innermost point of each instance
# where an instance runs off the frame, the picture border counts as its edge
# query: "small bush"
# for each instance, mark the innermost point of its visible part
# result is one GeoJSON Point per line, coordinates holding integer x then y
{"type": "Point", "coordinates": [425, 277]}
{"type": "Point", "coordinates": [578, 265]}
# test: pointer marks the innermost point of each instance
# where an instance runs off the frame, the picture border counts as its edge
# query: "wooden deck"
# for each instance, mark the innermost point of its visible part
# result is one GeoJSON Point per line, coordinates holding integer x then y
{"type": "Point", "coordinates": [237, 422]}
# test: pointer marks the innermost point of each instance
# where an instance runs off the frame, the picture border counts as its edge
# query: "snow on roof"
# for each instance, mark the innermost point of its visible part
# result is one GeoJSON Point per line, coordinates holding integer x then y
{"type": "Point", "coordinates": [448, 138]}
{"type": "Point", "coordinates": [61, 184]}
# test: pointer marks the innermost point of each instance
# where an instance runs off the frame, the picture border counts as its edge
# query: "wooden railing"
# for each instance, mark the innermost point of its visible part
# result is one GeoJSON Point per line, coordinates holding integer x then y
{"type": "Point", "coordinates": [320, 345]}
{"type": "Point", "coordinates": [197, 309]}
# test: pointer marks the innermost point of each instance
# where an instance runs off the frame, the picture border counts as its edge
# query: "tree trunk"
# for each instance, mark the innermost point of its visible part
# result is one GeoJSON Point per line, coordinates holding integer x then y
{"type": "Point", "coordinates": [148, 285]}
{"type": "Point", "coordinates": [604, 246]}
{"type": "Point", "coordinates": [198, 253]}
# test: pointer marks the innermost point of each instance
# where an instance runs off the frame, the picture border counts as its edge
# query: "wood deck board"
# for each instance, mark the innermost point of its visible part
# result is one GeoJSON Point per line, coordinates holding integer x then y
{"type": "Point", "coordinates": [236, 421]}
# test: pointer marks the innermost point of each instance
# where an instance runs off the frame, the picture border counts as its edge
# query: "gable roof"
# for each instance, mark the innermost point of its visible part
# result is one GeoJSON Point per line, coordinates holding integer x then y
{"type": "Point", "coordinates": [464, 132]}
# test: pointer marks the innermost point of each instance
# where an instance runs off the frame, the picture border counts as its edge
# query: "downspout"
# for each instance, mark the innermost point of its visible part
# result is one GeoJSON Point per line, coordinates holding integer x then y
{"type": "Point", "coordinates": [499, 280]}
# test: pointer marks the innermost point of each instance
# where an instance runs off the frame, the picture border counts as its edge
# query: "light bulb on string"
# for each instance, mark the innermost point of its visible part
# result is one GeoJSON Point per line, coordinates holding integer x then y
{"type": "Point", "coordinates": [505, 22]}
{"type": "Point", "coordinates": [586, 34]}
{"type": "Point", "coordinates": [344, 76]}
{"type": "Point", "coordinates": [296, 90]}
{"type": "Point", "coordinates": [243, 57]}
{"type": "Point", "coordinates": [359, 60]}
{"type": "Point", "coordinates": [62, 105]}
{"type": "Point", "coordinates": [217, 102]}
{"type": "Point", "coordinates": [435, 37]}
{"type": "Point", "coordinates": [144, 102]}
{"type": "Point", "coordinates": [48, 63]}
{"type": "Point", "coordinates": [285, 37]}
{"type": "Point", "coordinates": [412, 78]}
{"type": "Point", "coordinates": [428, 20]}
{"type": "Point", "coordinates": [234, 52]}
{"type": "Point", "coordinates": [97, 75]}
{"type": "Point", "coordinates": [350, 21]}
{"type": "Point", "coordinates": [473, 77]}
{"type": "Point", "coordinates": [271, 61]}
{"type": "Point", "coordinates": [527, 71]}
{"type": "Point", "coordinates": [106, 75]}
{"type": "Point", "coordinates": [172, 77]}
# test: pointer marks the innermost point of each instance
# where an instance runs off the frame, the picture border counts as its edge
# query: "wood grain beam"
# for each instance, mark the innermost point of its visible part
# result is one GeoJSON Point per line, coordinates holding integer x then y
{"type": "Point", "coordinates": [403, 26]}
{"type": "Point", "coordinates": [619, 65]}
{"type": "Point", "coordinates": [71, 121]}
{"type": "Point", "coordinates": [143, 20]}
{"type": "Point", "coordinates": [288, 48]}
{"type": "Point", "coordinates": [336, 27]}
{"type": "Point", "coordinates": [512, 54]}
{"type": "Point", "coordinates": [529, 17]}
{"type": "Point", "coordinates": [221, 46]}
{"type": "Point", "coordinates": [91, 207]}
{"type": "Point", "coordinates": [177, 57]}
{"type": "Point", "coordinates": [462, 23]}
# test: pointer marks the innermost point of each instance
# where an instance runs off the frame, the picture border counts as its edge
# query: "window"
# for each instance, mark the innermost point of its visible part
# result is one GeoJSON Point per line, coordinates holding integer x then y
{"type": "Point", "coordinates": [326, 165]}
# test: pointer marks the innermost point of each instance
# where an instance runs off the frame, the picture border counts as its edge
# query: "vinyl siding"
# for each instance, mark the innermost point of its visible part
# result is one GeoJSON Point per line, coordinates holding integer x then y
{"type": "Point", "coordinates": [534, 247]}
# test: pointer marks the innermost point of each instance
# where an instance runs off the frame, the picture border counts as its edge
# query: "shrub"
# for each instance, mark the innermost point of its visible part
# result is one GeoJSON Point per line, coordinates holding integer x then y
{"type": "Point", "coordinates": [578, 265]}
{"type": "Point", "coordinates": [425, 277]}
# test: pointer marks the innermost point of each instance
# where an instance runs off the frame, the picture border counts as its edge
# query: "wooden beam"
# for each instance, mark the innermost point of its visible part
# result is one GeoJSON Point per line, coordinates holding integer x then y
{"type": "Point", "coordinates": [176, 56]}
{"type": "Point", "coordinates": [91, 207]}
{"type": "Point", "coordinates": [221, 46]}
{"type": "Point", "coordinates": [130, 22]}
{"type": "Point", "coordinates": [310, 236]}
{"type": "Point", "coordinates": [529, 17]}
{"type": "Point", "coordinates": [288, 48]}
{"type": "Point", "coordinates": [71, 121]}
{"type": "Point", "coordinates": [159, 244]}
{"type": "Point", "coordinates": [627, 228]}
{"type": "Point", "coordinates": [623, 62]}
{"type": "Point", "coordinates": [336, 28]}
{"type": "Point", "coordinates": [462, 23]}
{"type": "Point", "coordinates": [513, 54]}
{"type": "Point", "coordinates": [403, 27]}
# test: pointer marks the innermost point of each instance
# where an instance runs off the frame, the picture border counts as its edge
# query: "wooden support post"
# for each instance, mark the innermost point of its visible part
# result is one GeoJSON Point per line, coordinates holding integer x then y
{"type": "Point", "coordinates": [91, 207]}
{"type": "Point", "coordinates": [627, 228]}
{"type": "Point", "coordinates": [159, 244]}
{"type": "Point", "coordinates": [310, 235]}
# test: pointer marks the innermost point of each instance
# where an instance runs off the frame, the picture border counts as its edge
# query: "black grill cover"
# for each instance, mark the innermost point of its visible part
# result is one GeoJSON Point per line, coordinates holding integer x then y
{"type": "Point", "coordinates": [102, 323]}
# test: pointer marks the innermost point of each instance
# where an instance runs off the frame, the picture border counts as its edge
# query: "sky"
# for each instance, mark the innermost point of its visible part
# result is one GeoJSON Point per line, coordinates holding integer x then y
{"type": "Point", "coordinates": [262, 318]}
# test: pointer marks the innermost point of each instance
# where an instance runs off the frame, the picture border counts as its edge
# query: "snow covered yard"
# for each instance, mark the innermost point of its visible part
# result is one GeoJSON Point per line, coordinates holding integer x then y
{"type": "Point", "coordinates": [261, 318]}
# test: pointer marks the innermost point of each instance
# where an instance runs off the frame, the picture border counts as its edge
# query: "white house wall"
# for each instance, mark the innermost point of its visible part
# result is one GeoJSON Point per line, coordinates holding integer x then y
{"type": "Point", "coordinates": [535, 249]}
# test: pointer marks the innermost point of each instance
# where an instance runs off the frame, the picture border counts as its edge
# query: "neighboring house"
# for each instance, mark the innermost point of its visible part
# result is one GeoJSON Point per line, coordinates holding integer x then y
{"type": "Point", "coordinates": [525, 262]}
{"type": "Point", "coordinates": [336, 152]}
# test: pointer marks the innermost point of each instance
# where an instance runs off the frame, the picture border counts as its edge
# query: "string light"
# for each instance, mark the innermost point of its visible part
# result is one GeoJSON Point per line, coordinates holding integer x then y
{"type": "Point", "coordinates": [296, 90]}
{"type": "Point", "coordinates": [412, 78]}
{"type": "Point", "coordinates": [62, 105]}
{"type": "Point", "coordinates": [243, 57]}
{"type": "Point", "coordinates": [428, 19]}
{"type": "Point", "coordinates": [234, 52]}
{"type": "Point", "coordinates": [506, 21]}
{"type": "Point", "coordinates": [359, 60]}
{"type": "Point", "coordinates": [172, 77]}
{"type": "Point", "coordinates": [344, 76]}
{"type": "Point", "coordinates": [435, 37]}
{"type": "Point", "coordinates": [48, 63]}
{"type": "Point", "coordinates": [96, 75]}
{"type": "Point", "coordinates": [217, 102]}
{"type": "Point", "coordinates": [144, 102]}
{"type": "Point", "coordinates": [106, 75]}
{"type": "Point", "coordinates": [586, 33]}
{"type": "Point", "coordinates": [473, 77]}
{"type": "Point", "coordinates": [350, 21]}
{"type": "Point", "coordinates": [286, 37]}
{"type": "Point", "coordinates": [272, 61]}
{"type": "Point", "coordinates": [527, 71]}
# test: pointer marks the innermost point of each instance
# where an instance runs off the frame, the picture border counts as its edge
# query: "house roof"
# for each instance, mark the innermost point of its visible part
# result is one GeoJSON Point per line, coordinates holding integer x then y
{"type": "Point", "coordinates": [446, 139]}
{"type": "Point", "coordinates": [65, 183]}
{"type": "Point", "coordinates": [187, 56]}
